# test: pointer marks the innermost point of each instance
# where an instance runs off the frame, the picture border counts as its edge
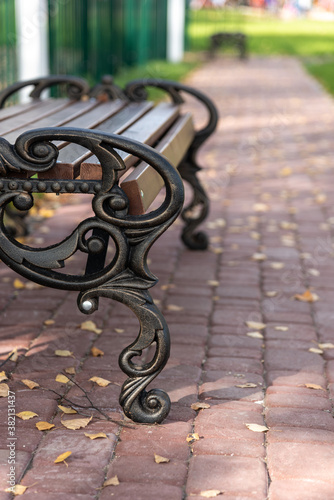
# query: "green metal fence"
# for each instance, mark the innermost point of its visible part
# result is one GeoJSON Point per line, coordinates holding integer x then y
{"type": "Point", "coordinates": [8, 65]}
{"type": "Point", "coordinates": [96, 37]}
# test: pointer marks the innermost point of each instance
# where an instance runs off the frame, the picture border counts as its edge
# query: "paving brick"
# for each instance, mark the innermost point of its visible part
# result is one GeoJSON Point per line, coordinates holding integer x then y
{"type": "Point", "coordinates": [294, 379]}
{"type": "Point", "coordinates": [301, 399]}
{"type": "Point", "coordinates": [296, 359]}
{"type": "Point", "coordinates": [232, 475]}
{"type": "Point", "coordinates": [300, 489]}
{"type": "Point", "coordinates": [129, 491]}
{"type": "Point", "coordinates": [293, 417]}
{"type": "Point", "coordinates": [299, 435]}
{"type": "Point", "coordinates": [21, 461]}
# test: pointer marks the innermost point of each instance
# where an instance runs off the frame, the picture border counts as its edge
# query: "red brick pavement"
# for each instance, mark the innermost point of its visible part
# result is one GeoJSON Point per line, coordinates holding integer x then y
{"type": "Point", "coordinates": [269, 174]}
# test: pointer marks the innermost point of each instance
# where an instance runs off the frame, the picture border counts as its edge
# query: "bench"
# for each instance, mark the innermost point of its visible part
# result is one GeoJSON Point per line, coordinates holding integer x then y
{"type": "Point", "coordinates": [122, 149]}
{"type": "Point", "coordinates": [225, 38]}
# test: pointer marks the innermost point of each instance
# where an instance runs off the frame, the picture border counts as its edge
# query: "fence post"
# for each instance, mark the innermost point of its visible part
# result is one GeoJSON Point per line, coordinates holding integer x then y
{"type": "Point", "coordinates": [175, 30]}
{"type": "Point", "coordinates": [32, 40]}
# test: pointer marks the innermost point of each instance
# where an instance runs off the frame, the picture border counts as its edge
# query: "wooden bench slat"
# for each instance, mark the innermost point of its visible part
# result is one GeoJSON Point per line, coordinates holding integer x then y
{"type": "Point", "coordinates": [147, 130]}
{"type": "Point", "coordinates": [18, 109]}
{"type": "Point", "coordinates": [58, 117]}
{"type": "Point", "coordinates": [40, 110]}
{"type": "Point", "coordinates": [71, 156]}
{"type": "Point", "coordinates": [144, 183]}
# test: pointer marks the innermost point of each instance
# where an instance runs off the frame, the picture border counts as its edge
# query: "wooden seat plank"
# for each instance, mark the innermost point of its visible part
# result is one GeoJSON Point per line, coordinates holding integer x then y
{"type": "Point", "coordinates": [144, 183]}
{"type": "Point", "coordinates": [147, 130]}
{"type": "Point", "coordinates": [43, 109]}
{"type": "Point", "coordinates": [18, 109]}
{"type": "Point", "coordinates": [71, 156]}
{"type": "Point", "coordinates": [56, 119]}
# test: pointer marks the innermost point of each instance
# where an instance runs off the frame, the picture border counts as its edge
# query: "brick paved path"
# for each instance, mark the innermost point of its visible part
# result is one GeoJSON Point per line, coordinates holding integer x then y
{"type": "Point", "coordinates": [270, 178]}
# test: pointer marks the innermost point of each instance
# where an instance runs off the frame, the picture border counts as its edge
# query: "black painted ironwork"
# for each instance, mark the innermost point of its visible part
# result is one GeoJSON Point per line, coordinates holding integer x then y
{"type": "Point", "coordinates": [127, 277]}
{"type": "Point", "coordinates": [197, 210]}
{"type": "Point", "coordinates": [76, 87]}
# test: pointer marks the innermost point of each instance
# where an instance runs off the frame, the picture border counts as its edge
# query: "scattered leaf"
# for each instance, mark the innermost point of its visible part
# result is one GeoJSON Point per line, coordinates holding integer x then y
{"type": "Point", "coordinates": [315, 387]}
{"type": "Point", "coordinates": [174, 307]}
{"type": "Point", "coordinates": [326, 345]}
{"type": "Point", "coordinates": [288, 225]}
{"type": "Point", "coordinates": [259, 256]}
{"type": "Point", "coordinates": [62, 457]}
{"type": "Point", "coordinates": [26, 415]}
{"type": "Point", "coordinates": [17, 490]}
{"type": "Point", "coordinates": [210, 493]}
{"type": "Point", "coordinates": [213, 282]}
{"type": "Point", "coordinates": [111, 482]}
{"type": "Point", "coordinates": [18, 284]}
{"type": "Point", "coordinates": [315, 350]}
{"type": "Point", "coordinates": [167, 286]}
{"type": "Point", "coordinates": [62, 379]}
{"type": "Point", "coordinates": [4, 390]}
{"type": "Point", "coordinates": [257, 428]}
{"type": "Point", "coordinates": [63, 353]}
{"type": "Point", "coordinates": [282, 328]}
{"type": "Point", "coordinates": [96, 352]}
{"type": "Point", "coordinates": [256, 325]}
{"type": "Point", "coordinates": [70, 370]}
{"type": "Point", "coordinates": [29, 383]}
{"type": "Point", "coordinates": [255, 235]}
{"type": "Point", "coordinates": [255, 335]}
{"type": "Point", "coordinates": [200, 406]}
{"type": "Point", "coordinates": [13, 355]}
{"type": "Point", "coordinates": [67, 410]}
{"type": "Point", "coordinates": [44, 426]}
{"type": "Point", "coordinates": [49, 322]}
{"type": "Point", "coordinates": [3, 376]}
{"type": "Point", "coordinates": [320, 198]}
{"type": "Point", "coordinates": [102, 382]}
{"type": "Point", "coordinates": [46, 212]}
{"type": "Point", "coordinates": [192, 437]}
{"type": "Point", "coordinates": [272, 293]}
{"type": "Point", "coordinates": [246, 386]}
{"type": "Point", "coordinates": [76, 423]}
{"type": "Point", "coordinates": [307, 296]}
{"type": "Point", "coordinates": [285, 172]}
{"type": "Point", "coordinates": [260, 207]}
{"type": "Point", "coordinates": [90, 326]}
{"type": "Point", "coordinates": [277, 265]}
{"type": "Point", "coordinates": [96, 436]}
{"type": "Point", "coordinates": [160, 460]}
{"type": "Point", "coordinates": [313, 272]}
{"type": "Point", "coordinates": [216, 250]}
{"type": "Point", "coordinates": [119, 330]}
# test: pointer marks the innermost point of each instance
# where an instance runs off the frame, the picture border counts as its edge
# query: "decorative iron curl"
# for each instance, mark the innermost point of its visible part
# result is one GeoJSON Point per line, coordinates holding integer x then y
{"type": "Point", "coordinates": [76, 87]}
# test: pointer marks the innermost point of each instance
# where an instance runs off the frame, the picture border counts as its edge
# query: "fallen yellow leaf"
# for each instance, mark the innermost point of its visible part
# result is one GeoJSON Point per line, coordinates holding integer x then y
{"type": "Point", "coordinates": [63, 353]}
{"type": "Point", "coordinates": [315, 387]}
{"type": "Point", "coordinates": [102, 382]}
{"type": "Point", "coordinates": [62, 379]}
{"type": "Point", "coordinates": [90, 326]}
{"type": "Point", "coordinates": [210, 493]}
{"type": "Point", "coordinates": [216, 250]}
{"type": "Point", "coordinates": [257, 428]}
{"type": "Point", "coordinates": [326, 345]}
{"type": "Point", "coordinates": [111, 482]}
{"type": "Point", "coordinates": [67, 410]}
{"type": "Point", "coordinates": [18, 284]}
{"type": "Point", "coordinates": [259, 256]}
{"type": "Point", "coordinates": [174, 307]}
{"type": "Point", "coordinates": [315, 350]}
{"type": "Point", "coordinates": [96, 436]}
{"type": "Point", "coordinates": [213, 282]}
{"type": "Point", "coordinates": [3, 376]}
{"type": "Point", "coordinates": [285, 172]}
{"type": "Point", "coordinates": [282, 328]}
{"type": "Point", "coordinates": [17, 490]}
{"type": "Point", "coordinates": [200, 406]}
{"type": "Point", "coordinates": [192, 437]}
{"type": "Point", "coordinates": [260, 207]}
{"type": "Point", "coordinates": [96, 352]}
{"type": "Point", "coordinates": [160, 460]}
{"type": "Point", "coordinates": [49, 322]}
{"type": "Point", "coordinates": [13, 355]}
{"type": "Point", "coordinates": [76, 423]}
{"type": "Point", "coordinates": [307, 296]}
{"type": "Point", "coordinates": [256, 325]}
{"type": "Point", "coordinates": [272, 293]}
{"type": "Point", "coordinates": [4, 390]}
{"type": "Point", "coordinates": [119, 330]}
{"type": "Point", "coordinates": [44, 426]}
{"type": "Point", "coordinates": [26, 415]}
{"type": "Point", "coordinates": [246, 386]}
{"type": "Point", "coordinates": [62, 457]}
{"type": "Point", "coordinates": [70, 370]}
{"type": "Point", "coordinates": [29, 383]}
{"type": "Point", "coordinates": [277, 265]}
{"type": "Point", "coordinates": [255, 335]}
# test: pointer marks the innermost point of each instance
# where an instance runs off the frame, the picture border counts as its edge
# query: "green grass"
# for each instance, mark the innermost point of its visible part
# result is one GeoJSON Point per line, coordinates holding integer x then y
{"type": "Point", "coordinates": [310, 40]}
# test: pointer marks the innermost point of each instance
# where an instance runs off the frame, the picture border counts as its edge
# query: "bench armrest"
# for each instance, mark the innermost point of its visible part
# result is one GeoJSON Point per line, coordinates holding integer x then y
{"type": "Point", "coordinates": [76, 87]}
{"type": "Point", "coordinates": [136, 91]}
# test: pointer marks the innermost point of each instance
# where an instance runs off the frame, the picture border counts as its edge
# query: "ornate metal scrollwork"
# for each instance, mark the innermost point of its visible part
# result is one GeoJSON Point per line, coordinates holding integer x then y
{"type": "Point", "coordinates": [127, 277]}
{"type": "Point", "coordinates": [107, 89]}
{"type": "Point", "coordinates": [76, 87]}
{"type": "Point", "coordinates": [198, 208]}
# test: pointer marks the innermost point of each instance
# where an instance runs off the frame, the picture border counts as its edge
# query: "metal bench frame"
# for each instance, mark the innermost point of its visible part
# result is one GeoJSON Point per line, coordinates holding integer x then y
{"type": "Point", "coordinates": [127, 278]}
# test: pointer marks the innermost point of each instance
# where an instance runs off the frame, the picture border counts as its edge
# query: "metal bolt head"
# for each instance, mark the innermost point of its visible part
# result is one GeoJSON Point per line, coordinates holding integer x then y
{"type": "Point", "coordinates": [87, 305]}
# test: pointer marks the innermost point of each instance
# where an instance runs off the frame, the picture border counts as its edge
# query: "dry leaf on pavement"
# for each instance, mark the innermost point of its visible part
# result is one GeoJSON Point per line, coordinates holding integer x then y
{"type": "Point", "coordinates": [259, 256]}
{"type": "Point", "coordinates": [102, 382]}
{"type": "Point", "coordinates": [17, 490]}
{"type": "Point", "coordinates": [256, 325]}
{"type": "Point", "coordinates": [192, 437]}
{"type": "Point", "coordinates": [200, 406]}
{"type": "Point", "coordinates": [111, 482]}
{"type": "Point", "coordinates": [314, 386]}
{"type": "Point", "coordinates": [257, 428]}
{"type": "Point", "coordinates": [315, 350]}
{"type": "Point", "coordinates": [44, 426]}
{"type": "Point", "coordinates": [62, 378]}
{"type": "Point", "coordinates": [63, 353]}
{"type": "Point", "coordinates": [174, 307]}
{"type": "Point", "coordinates": [26, 415]}
{"type": "Point", "coordinates": [4, 390]}
{"type": "Point", "coordinates": [90, 326]}
{"type": "Point", "coordinates": [29, 383]}
{"type": "Point", "coordinates": [96, 352]}
{"type": "Point", "coordinates": [282, 328]}
{"type": "Point", "coordinates": [255, 335]}
{"type": "Point", "coordinates": [76, 423]}
{"type": "Point", "coordinates": [18, 284]}
{"type": "Point", "coordinates": [246, 386]}
{"type": "Point", "coordinates": [62, 457]}
{"type": "Point", "coordinates": [307, 296]}
{"type": "Point", "coordinates": [67, 410]}
{"type": "Point", "coordinates": [277, 265]}
{"type": "Point", "coordinates": [96, 436]}
{"type": "Point", "coordinates": [3, 376]}
{"type": "Point", "coordinates": [210, 493]}
{"type": "Point", "coordinates": [160, 460]}
{"type": "Point", "coordinates": [326, 345]}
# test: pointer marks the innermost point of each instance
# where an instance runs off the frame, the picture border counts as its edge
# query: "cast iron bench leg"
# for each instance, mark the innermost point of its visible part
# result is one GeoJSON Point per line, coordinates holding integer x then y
{"type": "Point", "coordinates": [127, 277]}
{"type": "Point", "coordinates": [197, 210]}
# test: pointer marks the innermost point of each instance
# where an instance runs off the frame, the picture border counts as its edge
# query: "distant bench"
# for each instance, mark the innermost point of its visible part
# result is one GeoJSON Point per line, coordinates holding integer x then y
{"type": "Point", "coordinates": [229, 39]}
{"type": "Point", "coordinates": [85, 143]}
